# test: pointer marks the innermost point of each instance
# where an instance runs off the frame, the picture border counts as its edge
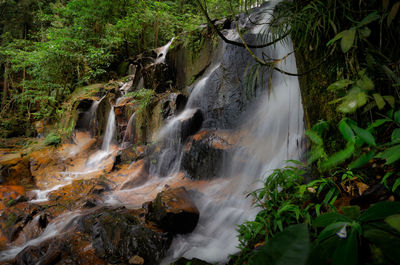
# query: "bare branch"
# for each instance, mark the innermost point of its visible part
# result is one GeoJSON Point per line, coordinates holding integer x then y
{"type": "Point", "coordinates": [235, 42]}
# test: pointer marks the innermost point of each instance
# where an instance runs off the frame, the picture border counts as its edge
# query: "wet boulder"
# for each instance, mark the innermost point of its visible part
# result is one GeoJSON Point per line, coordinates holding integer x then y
{"type": "Point", "coordinates": [190, 122]}
{"type": "Point", "coordinates": [173, 211]}
{"type": "Point", "coordinates": [204, 154]}
{"type": "Point", "coordinates": [14, 169]}
{"type": "Point", "coordinates": [118, 236]}
{"type": "Point", "coordinates": [83, 192]}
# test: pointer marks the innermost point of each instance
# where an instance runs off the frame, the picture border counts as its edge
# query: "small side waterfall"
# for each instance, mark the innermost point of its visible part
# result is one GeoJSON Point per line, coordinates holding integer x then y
{"type": "Point", "coordinates": [129, 132]}
{"type": "Point", "coordinates": [110, 131]}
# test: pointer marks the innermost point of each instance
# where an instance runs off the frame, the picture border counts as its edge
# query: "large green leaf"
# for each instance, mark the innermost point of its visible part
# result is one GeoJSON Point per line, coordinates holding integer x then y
{"type": "Point", "coordinates": [347, 252]}
{"type": "Point", "coordinates": [380, 210]}
{"type": "Point", "coordinates": [380, 102]}
{"type": "Point", "coordinates": [390, 100]}
{"type": "Point", "coordinates": [368, 19]}
{"type": "Point", "coordinates": [316, 153]}
{"type": "Point", "coordinates": [338, 157]}
{"type": "Point", "coordinates": [379, 122]}
{"type": "Point", "coordinates": [346, 131]}
{"type": "Point", "coordinates": [314, 137]}
{"type": "Point", "coordinates": [352, 101]}
{"type": "Point", "coordinates": [347, 40]}
{"type": "Point", "coordinates": [362, 160]}
{"type": "Point", "coordinates": [320, 127]}
{"type": "Point", "coordinates": [340, 84]}
{"type": "Point", "coordinates": [289, 247]}
{"type": "Point", "coordinates": [394, 221]}
{"type": "Point", "coordinates": [364, 135]}
{"type": "Point", "coordinates": [331, 230]}
{"type": "Point", "coordinates": [391, 154]}
{"type": "Point", "coordinates": [329, 218]}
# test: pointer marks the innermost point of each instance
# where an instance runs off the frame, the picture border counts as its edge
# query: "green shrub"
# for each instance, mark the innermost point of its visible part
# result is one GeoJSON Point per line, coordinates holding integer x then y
{"type": "Point", "coordinates": [52, 139]}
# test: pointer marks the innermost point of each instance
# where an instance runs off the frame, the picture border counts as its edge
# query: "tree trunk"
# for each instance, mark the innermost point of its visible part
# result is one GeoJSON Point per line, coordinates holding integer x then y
{"type": "Point", "coordinates": [5, 84]}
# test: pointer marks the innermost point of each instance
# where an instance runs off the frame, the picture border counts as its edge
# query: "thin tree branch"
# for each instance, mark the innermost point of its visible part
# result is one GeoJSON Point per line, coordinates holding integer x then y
{"type": "Point", "coordinates": [235, 42]}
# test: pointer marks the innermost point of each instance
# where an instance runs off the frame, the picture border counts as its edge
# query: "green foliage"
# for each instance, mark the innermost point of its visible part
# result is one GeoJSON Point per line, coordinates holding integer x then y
{"type": "Point", "coordinates": [353, 230]}
{"type": "Point", "coordinates": [289, 247]}
{"type": "Point", "coordinates": [52, 139]}
{"type": "Point", "coordinates": [143, 97]}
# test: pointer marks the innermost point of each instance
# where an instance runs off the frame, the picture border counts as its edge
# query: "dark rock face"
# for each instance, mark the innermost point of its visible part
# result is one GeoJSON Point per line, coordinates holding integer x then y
{"type": "Point", "coordinates": [173, 211]}
{"type": "Point", "coordinates": [117, 236]}
{"type": "Point", "coordinates": [204, 154]}
{"type": "Point", "coordinates": [173, 105]}
{"type": "Point", "coordinates": [191, 123]}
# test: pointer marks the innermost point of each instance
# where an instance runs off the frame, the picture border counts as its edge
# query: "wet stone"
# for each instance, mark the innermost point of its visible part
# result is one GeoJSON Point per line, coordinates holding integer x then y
{"type": "Point", "coordinates": [173, 211]}
{"type": "Point", "coordinates": [204, 154]}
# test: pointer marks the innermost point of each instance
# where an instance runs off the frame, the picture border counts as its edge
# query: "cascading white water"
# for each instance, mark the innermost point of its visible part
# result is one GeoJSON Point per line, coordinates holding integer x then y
{"type": "Point", "coordinates": [52, 230]}
{"type": "Point", "coordinates": [129, 132]}
{"type": "Point", "coordinates": [273, 133]}
{"type": "Point", "coordinates": [110, 131]}
{"type": "Point", "coordinates": [162, 52]}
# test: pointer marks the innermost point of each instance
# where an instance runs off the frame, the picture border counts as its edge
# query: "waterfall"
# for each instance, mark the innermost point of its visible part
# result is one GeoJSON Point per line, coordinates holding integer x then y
{"type": "Point", "coordinates": [273, 131]}
{"type": "Point", "coordinates": [162, 52]}
{"type": "Point", "coordinates": [270, 128]}
{"type": "Point", "coordinates": [110, 131]}
{"type": "Point", "coordinates": [129, 132]}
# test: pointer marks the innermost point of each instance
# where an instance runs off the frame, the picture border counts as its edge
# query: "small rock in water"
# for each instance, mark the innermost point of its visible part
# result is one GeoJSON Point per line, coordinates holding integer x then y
{"type": "Point", "coordinates": [136, 260]}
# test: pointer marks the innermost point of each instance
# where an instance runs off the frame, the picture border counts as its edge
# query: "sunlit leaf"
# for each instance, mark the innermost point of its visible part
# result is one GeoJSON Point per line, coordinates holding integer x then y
{"type": "Point", "coordinates": [352, 101]}
{"type": "Point", "coordinates": [314, 137]}
{"type": "Point", "coordinates": [346, 131]}
{"type": "Point", "coordinates": [391, 154]}
{"type": "Point", "coordinates": [347, 40]}
{"type": "Point", "coordinates": [338, 157]}
{"type": "Point", "coordinates": [390, 100]}
{"type": "Point", "coordinates": [364, 135]}
{"type": "Point", "coordinates": [368, 19]}
{"type": "Point", "coordinates": [380, 102]}
{"type": "Point", "coordinates": [340, 84]}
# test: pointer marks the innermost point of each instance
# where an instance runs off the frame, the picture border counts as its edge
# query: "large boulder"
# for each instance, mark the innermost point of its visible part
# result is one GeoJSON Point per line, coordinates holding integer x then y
{"type": "Point", "coordinates": [101, 236]}
{"type": "Point", "coordinates": [14, 169]}
{"type": "Point", "coordinates": [117, 236]}
{"type": "Point", "coordinates": [204, 154]}
{"type": "Point", "coordinates": [173, 211]}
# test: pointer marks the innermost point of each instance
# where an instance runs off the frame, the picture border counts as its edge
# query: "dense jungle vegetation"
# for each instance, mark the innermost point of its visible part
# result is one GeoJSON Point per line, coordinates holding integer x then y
{"type": "Point", "coordinates": [341, 205]}
{"type": "Point", "coordinates": [51, 47]}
